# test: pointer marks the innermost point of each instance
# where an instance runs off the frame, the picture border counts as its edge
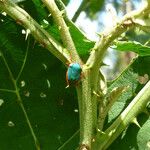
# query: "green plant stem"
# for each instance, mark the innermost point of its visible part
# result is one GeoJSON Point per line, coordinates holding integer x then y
{"type": "Point", "coordinates": [44, 38]}
{"type": "Point", "coordinates": [80, 105]}
{"type": "Point", "coordinates": [107, 37]}
{"type": "Point", "coordinates": [98, 52]}
{"type": "Point", "coordinates": [137, 105]}
{"type": "Point", "coordinates": [67, 20]}
{"type": "Point", "coordinates": [87, 110]}
{"type": "Point", "coordinates": [81, 8]}
{"type": "Point", "coordinates": [84, 90]}
{"type": "Point", "coordinates": [64, 30]}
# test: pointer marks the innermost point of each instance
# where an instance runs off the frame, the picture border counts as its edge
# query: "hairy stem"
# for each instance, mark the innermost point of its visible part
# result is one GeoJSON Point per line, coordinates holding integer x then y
{"type": "Point", "coordinates": [87, 110]}
{"type": "Point", "coordinates": [24, 19]}
{"type": "Point", "coordinates": [98, 52]}
{"type": "Point", "coordinates": [110, 35]}
{"type": "Point", "coordinates": [64, 30]}
{"type": "Point", "coordinates": [137, 105]}
{"type": "Point", "coordinates": [83, 90]}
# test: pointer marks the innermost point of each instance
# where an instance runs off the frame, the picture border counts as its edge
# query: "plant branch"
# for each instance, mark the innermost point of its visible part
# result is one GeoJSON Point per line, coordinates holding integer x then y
{"type": "Point", "coordinates": [137, 105]}
{"type": "Point", "coordinates": [85, 102]}
{"type": "Point", "coordinates": [109, 36]}
{"type": "Point", "coordinates": [81, 8]}
{"type": "Point", "coordinates": [24, 19]}
{"type": "Point", "coordinates": [64, 30]}
{"type": "Point", "coordinates": [67, 20]}
{"type": "Point", "coordinates": [87, 125]}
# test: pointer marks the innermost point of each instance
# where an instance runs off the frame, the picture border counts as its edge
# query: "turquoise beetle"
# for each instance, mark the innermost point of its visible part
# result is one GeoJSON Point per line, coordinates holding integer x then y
{"type": "Point", "coordinates": [73, 74]}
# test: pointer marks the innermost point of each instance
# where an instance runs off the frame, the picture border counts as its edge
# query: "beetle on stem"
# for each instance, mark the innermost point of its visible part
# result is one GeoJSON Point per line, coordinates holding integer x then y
{"type": "Point", "coordinates": [73, 74]}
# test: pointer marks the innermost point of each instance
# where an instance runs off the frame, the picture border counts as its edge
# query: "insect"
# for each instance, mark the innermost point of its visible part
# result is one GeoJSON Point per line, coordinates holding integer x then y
{"type": "Point", "coordinates": [73, 74]}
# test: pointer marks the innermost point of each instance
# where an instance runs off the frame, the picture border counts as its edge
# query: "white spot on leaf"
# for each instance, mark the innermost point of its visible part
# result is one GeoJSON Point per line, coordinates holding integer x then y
{"type": "Point", "coordinates": [22, 83]}
{"type": "Point", "coordinates": [48, 83]}
{"type": "Point", "coordinates": [26, 93]}
{"type": "Point", "coordinates": [45, 66]}
{"type": "Point", "coordinates": [42, 95]}
{"type": "Point", "coordinates": [59, 138]}
{"type": "Point", "coordinates": [76, 110]}
{"type": "Point", "coordinates": [11, 124]}
{"type": "Point", "coordinates": [1, 102]}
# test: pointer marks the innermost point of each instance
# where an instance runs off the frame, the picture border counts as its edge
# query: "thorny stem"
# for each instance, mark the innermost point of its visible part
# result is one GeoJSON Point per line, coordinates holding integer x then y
{"type": "Point", "coordinates": [136, 106]}
{"type": "Point", "coordinates": [67, 20]}
{"type": "Point", "coordinates": [107, 38]}
{"type": "Point", "coordinates": [98, 52]}
{"type": "Point", "coordinates": [89, 83]}
{"type": "Point", "coordinates": [88, 112]}
{"type": "Point", "coordinates": [64, 30]}
{"type": "Point", "coordinates": [84, 91]}
{"type": "Point", "coordinates": [44, 38]}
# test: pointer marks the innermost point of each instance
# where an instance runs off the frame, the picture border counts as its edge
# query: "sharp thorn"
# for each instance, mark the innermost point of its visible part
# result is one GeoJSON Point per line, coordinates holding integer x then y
{"type": "Point", "coordinates": [136, 122]}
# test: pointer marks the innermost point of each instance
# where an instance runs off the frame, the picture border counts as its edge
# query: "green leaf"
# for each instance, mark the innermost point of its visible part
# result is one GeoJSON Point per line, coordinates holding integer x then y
{"type": "Point", "coordinates": [41, 11]}
{"type": "Point", "coordinates": [83, 45]}
{"type": "Point", "coordinates": [143, 136]}
{"type": "Point", "coordinates": [130, 78]}
{"type": "Point", "coordinates": [35, 107]}
{"type": "Point", "coordinates": [134, 46]}
{"type": "Point", "coordinates": [36, 110]}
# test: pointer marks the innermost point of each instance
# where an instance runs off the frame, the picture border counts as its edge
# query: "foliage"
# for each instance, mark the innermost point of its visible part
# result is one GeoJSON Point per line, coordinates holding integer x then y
{"type": "Point", "coordinates": [40, 80]}
{"type": "Point", "coordinates": [134, 46]}
{"type": "Point", "coordinates": [38, 112]}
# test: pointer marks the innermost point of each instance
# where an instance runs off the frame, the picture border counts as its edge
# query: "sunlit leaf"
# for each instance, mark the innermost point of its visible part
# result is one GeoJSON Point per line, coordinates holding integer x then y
{"type": "Point", "coordinates": [141, 50]}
